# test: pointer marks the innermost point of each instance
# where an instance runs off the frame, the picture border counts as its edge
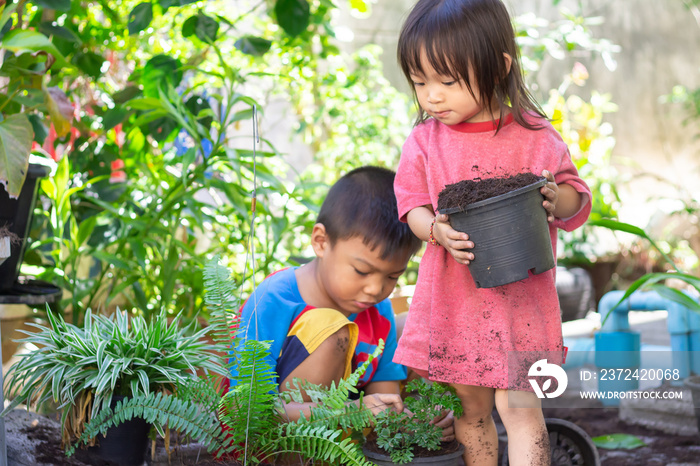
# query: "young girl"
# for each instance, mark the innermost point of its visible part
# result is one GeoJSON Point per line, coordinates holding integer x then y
{"type": "Point", "coordinates": [477, 120]}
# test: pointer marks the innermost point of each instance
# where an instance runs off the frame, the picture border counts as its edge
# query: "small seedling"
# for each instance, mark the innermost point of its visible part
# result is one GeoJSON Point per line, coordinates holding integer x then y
{"type": "Point", "coordinates": [399, 433]}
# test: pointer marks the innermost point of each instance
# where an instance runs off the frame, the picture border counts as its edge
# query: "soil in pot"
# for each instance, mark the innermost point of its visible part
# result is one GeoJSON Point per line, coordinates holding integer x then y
{"type": "Point", "coordinates": [468, 192]}
{"type": "Point", "coordinates": [505, 219]}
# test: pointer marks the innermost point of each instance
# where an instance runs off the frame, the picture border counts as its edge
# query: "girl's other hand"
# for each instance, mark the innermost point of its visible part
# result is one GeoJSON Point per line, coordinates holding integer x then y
{"type": "Point", "coordinates": [378, 402]}
{"type": "Point", "coordinates": [454, 241]}
{"type": "Point", "coordinates": [446, 421]}
{"type": "Point", "coordinates": [550, 191]}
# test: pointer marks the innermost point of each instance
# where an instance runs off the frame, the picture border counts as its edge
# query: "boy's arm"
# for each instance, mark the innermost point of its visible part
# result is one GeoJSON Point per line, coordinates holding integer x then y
{"type": "Point", "coordinates": [376, 402]}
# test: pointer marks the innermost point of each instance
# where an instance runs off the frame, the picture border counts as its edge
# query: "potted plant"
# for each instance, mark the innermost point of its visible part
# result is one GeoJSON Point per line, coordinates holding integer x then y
{"type": "Point", "coordinates": [403, 438]}
{"type": "Point", "coordinates": [86, 370]}
{"type": "Point", "coordinates": [505, 220]}
{"type": "Point", "coordinates": [247, 422]}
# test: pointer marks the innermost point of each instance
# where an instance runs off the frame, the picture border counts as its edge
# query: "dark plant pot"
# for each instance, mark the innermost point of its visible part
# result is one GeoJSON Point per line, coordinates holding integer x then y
{"type": "Point", "coordinates": [125, 444]}
{"type": "Point", "coordinates": [569, 445]}
{"type": "Point", "coordinates": [510, 234]}
{"type": "Point", "coordinates": [693, 383]}
{"type": "Point", "coordinates": [453, 458]}
{"type": "Point", "coordinates": [17, 215]}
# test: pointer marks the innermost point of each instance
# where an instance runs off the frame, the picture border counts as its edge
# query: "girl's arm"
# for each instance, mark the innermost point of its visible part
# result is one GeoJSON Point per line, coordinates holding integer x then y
{"type": "Point", "coordinates": [561, 201]}
{"type": "Point", "coordinates": [456, 243]}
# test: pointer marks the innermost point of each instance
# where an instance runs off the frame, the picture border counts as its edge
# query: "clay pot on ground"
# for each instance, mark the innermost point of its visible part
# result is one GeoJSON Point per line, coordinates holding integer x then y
{"type": "Point", "coordinates": [510, 234]}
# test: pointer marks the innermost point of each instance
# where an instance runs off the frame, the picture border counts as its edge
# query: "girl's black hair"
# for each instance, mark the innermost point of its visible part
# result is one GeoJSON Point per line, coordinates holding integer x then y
{"type": "Point", "coordinates": [457, 35]}
{"type": "Point", "coordinates": [362, 203]}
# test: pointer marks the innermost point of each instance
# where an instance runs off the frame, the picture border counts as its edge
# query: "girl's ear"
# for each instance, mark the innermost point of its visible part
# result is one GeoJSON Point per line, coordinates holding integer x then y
{"type": "Point", "coordinates": [508, 61]}
{"type": "Point", "coordinates": [319, 240]}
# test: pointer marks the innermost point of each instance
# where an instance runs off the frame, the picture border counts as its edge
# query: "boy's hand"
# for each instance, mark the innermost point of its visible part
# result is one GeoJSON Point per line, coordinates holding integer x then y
{"type": "Point", "coordinates": [378, 402]}
{"type": "Point", "coordinates": [550, 191]}
{"type": "Point", "coordinates": [454, 241]}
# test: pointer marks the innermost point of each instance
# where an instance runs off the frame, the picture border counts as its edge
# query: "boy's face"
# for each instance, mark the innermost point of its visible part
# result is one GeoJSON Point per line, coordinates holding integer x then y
{"type": "Point", "coordinates": [352, 276]}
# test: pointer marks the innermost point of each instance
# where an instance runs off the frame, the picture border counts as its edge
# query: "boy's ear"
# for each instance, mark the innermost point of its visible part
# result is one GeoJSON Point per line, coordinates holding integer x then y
{"type": "Point", "coordinates": [320, 241]}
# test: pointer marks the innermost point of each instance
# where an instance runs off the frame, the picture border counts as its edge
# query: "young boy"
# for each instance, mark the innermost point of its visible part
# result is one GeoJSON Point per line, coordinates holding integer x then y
{"type": "Point", "coordinates": [325, 317]}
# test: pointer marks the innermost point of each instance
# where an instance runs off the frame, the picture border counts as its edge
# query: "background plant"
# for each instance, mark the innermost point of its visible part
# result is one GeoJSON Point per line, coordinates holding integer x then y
{"type": "Point", "coordinates": [577, 115]}
{"type": "Point", "coordinates": [153, 125]}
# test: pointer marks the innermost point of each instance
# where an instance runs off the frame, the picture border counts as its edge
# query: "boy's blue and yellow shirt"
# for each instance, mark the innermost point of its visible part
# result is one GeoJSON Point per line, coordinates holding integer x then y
{"type": "Point", "coordinates": [276, 306]}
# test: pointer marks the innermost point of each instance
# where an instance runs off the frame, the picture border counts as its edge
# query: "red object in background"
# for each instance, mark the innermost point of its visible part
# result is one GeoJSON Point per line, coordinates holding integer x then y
{"type": "Point", "coordinates": [118, 175]}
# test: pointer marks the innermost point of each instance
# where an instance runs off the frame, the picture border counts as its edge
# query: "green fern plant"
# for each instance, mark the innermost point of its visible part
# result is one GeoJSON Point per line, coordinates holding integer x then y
{"type": "Point", "coordinates": [247, 421]}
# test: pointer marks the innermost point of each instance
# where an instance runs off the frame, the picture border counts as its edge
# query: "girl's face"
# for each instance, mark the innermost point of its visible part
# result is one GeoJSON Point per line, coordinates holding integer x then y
{"type": "Point", "coordinates": [447, 100]}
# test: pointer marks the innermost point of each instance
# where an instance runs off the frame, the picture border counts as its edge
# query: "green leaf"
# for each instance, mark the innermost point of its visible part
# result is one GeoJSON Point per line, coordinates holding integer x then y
{"type": "Point", "coordinates": [112, 259]}
{"type": "Point", "coordinates": [251, 45]}
{"type": "Point", "coordinates": [89, 63]}
{"type": "Point", "coordinates": [293, 15]}
{"type": "Point", "coordinates": [16, 136]}
{"type": "Point", "coordinates": [48, 28]}
{"type": "Point", "coordinates": [113, 117]}
{"type": "Point", "coordinates": [618, 441]}
{"type": "Point", "coordinates": [140, 17]}
{"type": "Point", "coordinates": [40, 129]}
{"type": "Point", "coordinates": [202, 26]}
{"type": "Point", "coordinates": [165, 4]}
{"type": "Point", "coordinates": [126, 94]}
{"type": "Point", "coordinates": [60, 5]}
{"type": "Point", "coordinates": [19, 40]}
{"type": "Point", "coordinates": [85, 229]}
{"type": "Point", "coordinates": [146, 103]}
{"type": "Point", "coordinates": [5, 22]}
{"type": "Point", "coordinates": [159, 72]}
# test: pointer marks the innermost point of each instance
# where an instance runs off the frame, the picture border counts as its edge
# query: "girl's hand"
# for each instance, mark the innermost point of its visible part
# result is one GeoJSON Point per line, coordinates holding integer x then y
{"type": "Point", "coordinates": [378, 402]}
{"type": "Point", "coordinates": [550, 191]}
{"type": "Point", "coordinates": [454, 241]}
{"type": "Point", "coordinates": [446, 421]}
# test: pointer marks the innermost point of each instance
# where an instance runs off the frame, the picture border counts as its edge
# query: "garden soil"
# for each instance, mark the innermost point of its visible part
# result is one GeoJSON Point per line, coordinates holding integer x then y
{"type": "Point", "coordinates": [662, 449]}
{"type": "Point", "coordinates": [467, 192]}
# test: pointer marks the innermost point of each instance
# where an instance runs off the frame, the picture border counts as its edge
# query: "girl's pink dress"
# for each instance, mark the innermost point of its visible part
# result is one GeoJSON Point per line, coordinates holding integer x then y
{"type": "Point", "coordinates": [456, 332]}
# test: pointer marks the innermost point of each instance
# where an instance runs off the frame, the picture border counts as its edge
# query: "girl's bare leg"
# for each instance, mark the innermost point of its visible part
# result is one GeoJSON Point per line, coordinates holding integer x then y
{"type": "Point", "coordinates": [475, 429]}
{"type": "Point", "coordinates": [528, 440]}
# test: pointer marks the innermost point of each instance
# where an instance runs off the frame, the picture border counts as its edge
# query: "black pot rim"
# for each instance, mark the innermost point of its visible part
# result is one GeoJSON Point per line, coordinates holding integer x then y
{"type": "Point", "coordinates": [492, 200]}
{"type": "Point", "coordinates": [442, 456]}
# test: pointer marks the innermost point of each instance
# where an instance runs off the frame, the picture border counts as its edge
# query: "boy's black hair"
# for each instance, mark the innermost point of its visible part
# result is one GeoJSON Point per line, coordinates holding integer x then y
{"type": "Point", "coordinates": [362, 203]}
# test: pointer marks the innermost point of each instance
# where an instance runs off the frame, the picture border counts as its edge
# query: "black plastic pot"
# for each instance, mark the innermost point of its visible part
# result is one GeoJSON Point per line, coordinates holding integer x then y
{"type": "Point", "coordinates": [125, 444]}
{"type": "Point", "coordinates": [693, 383]}
{"type": "Point", "coordinates": [510, 234]}
{"type": "Point", "coordinates": [17, 215]}
{"type": "Point", "coordinates": [448, 459]}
